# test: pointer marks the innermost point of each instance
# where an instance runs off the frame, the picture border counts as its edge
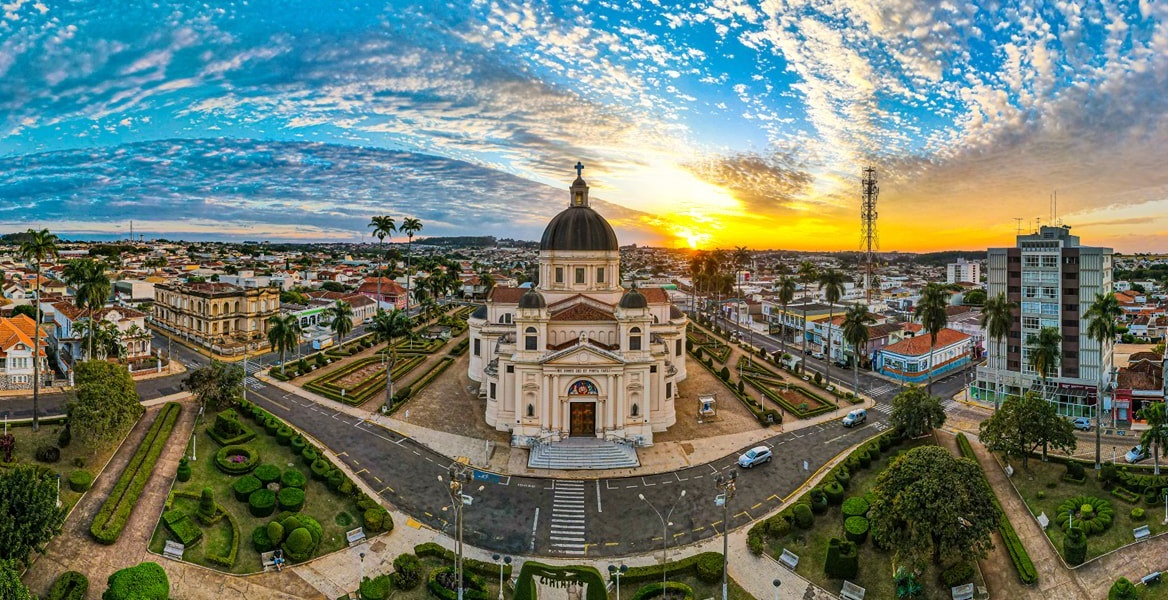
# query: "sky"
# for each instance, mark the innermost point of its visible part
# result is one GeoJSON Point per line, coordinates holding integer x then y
{"type": "Point", "coordinates": [711, 123]}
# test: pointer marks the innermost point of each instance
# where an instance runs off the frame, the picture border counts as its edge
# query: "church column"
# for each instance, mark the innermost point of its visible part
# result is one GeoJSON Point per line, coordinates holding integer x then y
{"type": "Point", "coordinates": [609, 422]}
{"type": "Point", "coordinates": [618, 401]}
{"type": "Point", "coordinates": [544, 404]}
{"type": "Point", "coordinates": [555, 403]}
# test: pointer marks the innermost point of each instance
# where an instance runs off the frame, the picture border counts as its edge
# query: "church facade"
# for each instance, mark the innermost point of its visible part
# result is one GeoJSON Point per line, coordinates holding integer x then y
{"type": "Point", "coordinates": [578, 355]}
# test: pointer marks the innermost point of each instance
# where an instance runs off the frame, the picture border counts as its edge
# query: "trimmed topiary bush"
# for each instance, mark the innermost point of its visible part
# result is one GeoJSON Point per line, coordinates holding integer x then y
{"type": "Point", "coordinates": [854, 506]}
{"type": "Point", "coordinates": [290, 499]}
{"type": "Point", "coordinates": [375, 589]}
{"type": "Point", "coordinates": [298, 443]}
{"type": "Point", "coordinates": [262, 503]}
{"type": "Point", "coordinates": [275, 532]}
{"type": "Point", "coordinates": [284, 436]}
{"type": "Point", "coordinates": [1137, 514]}
{"type": "Point", "coordinates": [146, 581]}
{"type": "Point", "coordinates": [71, 585]}
{"type": "Point", "coordinates": [184, 470]}
{"type": "Point", "coordinates": [236, 460]}
{"type": "Point", "coordinates": [321, 469]}
{"type": "Point", "coordinates": [778, 526]}
{"type": "Point", "coordinates": [375, 519]}
{"type": "Point", "coordinates": [842, 561]}
{"type": "Point", "coordinates": [335, 479]}
{"type": "Point", "coordinates": [245, 486]}
{"type": "Point", "coordinates": [1075, 546]}
{"type": "Point", "coordinates": [1123, 589]}
{"type": "Point", "coordinates": [856, 529]}
{"type": "Point", "coordinates": [309, 454]}
{"type": "Point", "coordinates": [834, 491]}
{"type": "Point", "coordinates": [79, 481]}
{"type": "Point", "coordinates": [1092, 515]}
{"type": "Point", "coordinates": [48, 454]}
{"type": "Point", "coordinates": [261, 540]}
{"type": "Point", "coordinates": [803, 517]}
{"type": "Point", "coordinates": [864, 458]}
{"type": "Point", "coordinates": [818, 501]}
{"type": "Point", "coordinates": [298, 546]}
{"type": "Point", "coordinates": [207, 505]}
{"type": "Point", "coordinates": [267, 473]}
{"type": "Point", "coordinates": [407, 571]}
{"type": "Point", "coordinates": [292, 478]}
{"type": "Point", "coordinates": [843, 475]}
{"type": "Point", "coordinates": [272, 425]}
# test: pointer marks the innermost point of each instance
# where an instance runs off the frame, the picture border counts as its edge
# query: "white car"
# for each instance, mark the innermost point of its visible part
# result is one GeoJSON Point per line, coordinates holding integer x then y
{"type": "Point", "coordinates": [855, 417]}
{"type": "Point", "coordinates": [755, 456]}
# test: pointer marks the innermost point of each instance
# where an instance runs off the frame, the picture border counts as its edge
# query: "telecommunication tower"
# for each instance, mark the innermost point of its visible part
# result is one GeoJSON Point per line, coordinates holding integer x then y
{"type": "Point", "coordinates": [870, 191]}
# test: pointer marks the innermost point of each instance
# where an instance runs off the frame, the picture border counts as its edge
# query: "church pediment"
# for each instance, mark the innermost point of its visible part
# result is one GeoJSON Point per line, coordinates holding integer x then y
{"type": "Point", "coordinates": [584, 355]}
{"type": "Point", "coordinates": [583, 312]}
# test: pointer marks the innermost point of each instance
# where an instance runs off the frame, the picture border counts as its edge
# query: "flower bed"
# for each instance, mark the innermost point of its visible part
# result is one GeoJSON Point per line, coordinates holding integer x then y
{"type": "Point", "coordinates": [794, 399]}
{"type": "Point", "coordinates": [330, 387]}
{"type": "Point", "coordinates": [236, 460]}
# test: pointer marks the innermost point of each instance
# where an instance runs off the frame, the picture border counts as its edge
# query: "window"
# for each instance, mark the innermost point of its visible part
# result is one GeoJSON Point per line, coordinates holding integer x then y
{"type": "Point", "coordinates": [559, 274]}
{"type": "Point", "coordinates": [1030, 261]}
{"type": "Point", "coordinates": [635, 338]}
{"type": "Point", "coordinates": [505, 318]}
{"type": "Point", "coordinates": [476, 346]}
{"type": "Point", "coordinates": [1049, 261]}
{"type": "Point", "coordinates": [669, 389]}
{"type": "Point", "coordinates": [492, 391]}
{"type": "Point", "coordinates": [510, 368]}
{"type": "Point", "coordinates": [1030, 322]}
{"type": "Point", "coordinates": [677, 347]}
{"type": "Point", "coordinates": [530, 339]}
{"type": "Point", "coordinates": [600, 275]}
{"type": "Point", "coordinates": [579, 274]}
{"type": "Point", "coordinates": [1070, 275]}
{"type": "Point", "coordinates": [652, 368]}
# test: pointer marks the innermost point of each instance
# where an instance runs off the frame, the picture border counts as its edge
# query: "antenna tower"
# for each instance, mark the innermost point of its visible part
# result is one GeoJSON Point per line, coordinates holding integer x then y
{"type": "Point", "coordinates": [869, 191]}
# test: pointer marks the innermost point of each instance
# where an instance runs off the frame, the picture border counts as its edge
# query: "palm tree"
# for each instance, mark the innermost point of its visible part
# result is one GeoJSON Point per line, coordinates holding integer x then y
{"type": "Point", "coordinates": [342, 320]}
{"type": "Point", "coordinates": [409, 226]}
{"type": "Point", "coordinates": [996, 318]}
{"type": "Point", "coordinates": [1155, 437]}
{"type": "Point", "coordinates": [1045, 350]}
{"type": "Point", "coordinates": [807, 274]}
{"type": "Point", "coordinates": [786, 292]}
{"type": "Point", "coordinates": [388, 326]}
{"type": "Point", "coordinates": [1101, 327]}
{"type": "Point", "coordinates": [855, 327]}
{"type": "Point", "coordinates": [931, 313]}
{"type": "Point", "coordinates": [832, 283]}
{"type": "Point", "coordinates": [695, 272]}
{"type": "Point", "coordinates": [91, 288]}
{"type": "Point", "coordinates": [37, 246]}
{"type": "Point", "coordinates": [283, 333]}
{"type": "Point", "coordinates": [383, 226]}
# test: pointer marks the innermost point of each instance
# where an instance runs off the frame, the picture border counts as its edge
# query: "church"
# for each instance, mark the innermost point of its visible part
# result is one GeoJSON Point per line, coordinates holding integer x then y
{"type": "Point", "coordinates": [578, 355]}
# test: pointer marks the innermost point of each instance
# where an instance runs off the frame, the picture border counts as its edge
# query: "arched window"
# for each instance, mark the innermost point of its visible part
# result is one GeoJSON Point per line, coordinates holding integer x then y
{"type": "Point", "coordinates": [635, 338]}
{"type": "Point", "coordinates": [530, 339]}
{"type": "Point", "coordinates": [636, 410]}
{"type": "Point", "coordinates": [531, 410]}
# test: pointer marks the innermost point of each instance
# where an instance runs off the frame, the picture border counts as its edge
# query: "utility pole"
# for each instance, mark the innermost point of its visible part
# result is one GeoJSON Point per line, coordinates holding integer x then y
{"type": "Point", "coordinates": [726, 484]}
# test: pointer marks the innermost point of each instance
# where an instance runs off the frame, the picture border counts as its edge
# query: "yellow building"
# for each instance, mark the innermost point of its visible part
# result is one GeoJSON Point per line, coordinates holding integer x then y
{"type": "Point", "coordinates": [219, 316]}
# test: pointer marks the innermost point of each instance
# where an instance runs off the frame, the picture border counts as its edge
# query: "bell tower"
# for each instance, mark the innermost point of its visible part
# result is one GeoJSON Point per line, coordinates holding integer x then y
{"type": "Point", "coordinates": [579, 188]}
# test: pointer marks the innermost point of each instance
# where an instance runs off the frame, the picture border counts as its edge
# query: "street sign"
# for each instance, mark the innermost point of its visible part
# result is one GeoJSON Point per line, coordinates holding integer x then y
{"type": "Point", "coordinates": [485, 476]}
{"type": "Point", "coordinates": [467, 500]}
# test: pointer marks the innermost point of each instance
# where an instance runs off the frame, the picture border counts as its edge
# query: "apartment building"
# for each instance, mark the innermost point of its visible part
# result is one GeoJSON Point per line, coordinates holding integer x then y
{"type": "Point", "coordinates": [1053, 279]}
{"type": "Point", "coordinates": [220, 316]}
{"type": "Point", "coordinates": [963, 271]}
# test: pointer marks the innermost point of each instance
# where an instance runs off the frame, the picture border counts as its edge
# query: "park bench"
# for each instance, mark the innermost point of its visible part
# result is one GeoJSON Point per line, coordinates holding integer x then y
{"type": "Point", "coordinates": [1009, 471]}
{"type": "Point", "coordinates": [173, 550]}
{"type": "Point", "coordinates": [1141, 532]}
{"type": "Point", "coordinates": [1150, 578]}
{"type": "Point", "coordinates": [268, 561]}
{"type": "Point", "coordinates": [1043, 521]}
{"type": "Point", "coordinates": [852, 591]}
{"type": "Point", "coordinates": [962, 592]}
{"type": "Point", "coordinates": [790, 559]}
{"type": "Point", "coordinates": [355, 536]}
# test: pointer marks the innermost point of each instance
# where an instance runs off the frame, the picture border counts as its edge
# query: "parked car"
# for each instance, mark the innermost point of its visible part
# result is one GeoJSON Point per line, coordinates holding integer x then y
{"type": "Point", "coordinates": [855, 417]}
{"type": "Point", "coordinates": [1081, 423]}
{"type": "Point", "coordinates": [1136, 454]}
{"type": "Point", "coordinates": [817, 354]}
{"type": "Point", "coordinates": [755, 456]}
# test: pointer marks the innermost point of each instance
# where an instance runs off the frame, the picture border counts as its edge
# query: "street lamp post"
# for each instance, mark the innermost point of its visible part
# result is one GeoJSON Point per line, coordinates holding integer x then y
{"type": "Point", "coordinates": [616, 572]}
{"type": "Point", "coordinates": [459, 475]}
{"type": "Point", "coordinates": [664, 534]}
{"type": "Point", "coordinates": [775, 583]}
{"type": "Point", "coordinates": [502, 560]}
{"type": "Point", "coordinates": [362, 566]}
{"type": "Point", "coordinates": [727, 485]}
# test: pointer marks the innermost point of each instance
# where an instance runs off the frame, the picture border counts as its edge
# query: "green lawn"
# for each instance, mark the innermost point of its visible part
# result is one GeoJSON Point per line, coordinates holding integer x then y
{"type": "Point", "coordinates": [1047, 479]}
{"type": "Point", "coordinates": [27, 441]}
{"type": "Point", "coordinates": [876, 568]}
{"type": "Point", "coordinates": [335, 513]}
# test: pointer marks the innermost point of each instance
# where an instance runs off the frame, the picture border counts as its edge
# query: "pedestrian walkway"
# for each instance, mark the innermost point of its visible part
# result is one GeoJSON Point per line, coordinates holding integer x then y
{"type": "Point", "coordinates": [567, 522]}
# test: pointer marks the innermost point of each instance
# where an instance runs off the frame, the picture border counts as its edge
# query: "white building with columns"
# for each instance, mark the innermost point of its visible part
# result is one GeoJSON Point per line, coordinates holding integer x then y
{"type": "Point", "coordinates": [578, 355]}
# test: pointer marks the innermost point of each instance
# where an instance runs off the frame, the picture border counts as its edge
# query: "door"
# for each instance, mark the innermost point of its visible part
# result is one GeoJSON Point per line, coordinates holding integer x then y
{"type": "Point", "coordinates": [583, 419]}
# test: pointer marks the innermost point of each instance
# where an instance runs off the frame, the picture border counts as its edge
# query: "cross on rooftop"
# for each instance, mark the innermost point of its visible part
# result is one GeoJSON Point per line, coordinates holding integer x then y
{"type": "Point", "coordinates": [579, 169]}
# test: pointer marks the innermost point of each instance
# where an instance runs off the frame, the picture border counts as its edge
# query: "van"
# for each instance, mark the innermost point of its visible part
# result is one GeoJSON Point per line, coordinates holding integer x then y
{"type": "Point", "coordinates": [855, 417]}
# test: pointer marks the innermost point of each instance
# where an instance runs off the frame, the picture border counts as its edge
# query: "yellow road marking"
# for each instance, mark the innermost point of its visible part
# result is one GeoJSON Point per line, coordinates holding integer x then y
{"type": "Point", "coordinates": [462, 459]}
{"type": "Point", "coordinates": [361, 471]}
{"type": "Point", "coordinates": [378, 479]}
{"type": "Point", "coordinates": [612, 544]}
{"type": "Point", "coordinates": [391, 490]}
{"type": "Point", "coordinates": [412, 523]}
{"type": "Point", "coordinates": [430, 515]}
{"type": "Point", "coordinates": [278, 404]}
{"type": "Point", "coordinates": [355, 461]}
{"type": "Point", "coordinates": [756, 506]}
{"type": "Point", "coordinates": [345, 453]}
{"type": "Point", "coordinates": [698, 529]}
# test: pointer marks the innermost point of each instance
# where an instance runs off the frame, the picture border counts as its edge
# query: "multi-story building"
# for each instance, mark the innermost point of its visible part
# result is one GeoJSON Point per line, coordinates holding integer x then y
{"type": "Point", "coordinates": [16, 354]}
{"type": "Point", "coordinates": [1053, 279]}
{"type": "Point", "coordinates": [963, 271]}
{"type": "Point", "coordinates": [220, 316]}
{"type": "Point", "coordinates": [71, 328]}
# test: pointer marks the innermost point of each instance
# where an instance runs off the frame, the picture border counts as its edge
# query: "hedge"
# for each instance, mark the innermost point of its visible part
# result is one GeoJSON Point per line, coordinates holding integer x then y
{"type": "Point", "coordinates": [856, 529]}
{"type": "Point", "coordinates": [376, 588]}
{"type": "Point", "coordinates": [371, 386]}
{"type": "Point", "coordinates": [183, 528]}
{"type": "Point", "coordinates": [433, 550]}
{"type": "Point", "coordinates": [229, 419]}
{"type": "Point", "coordinates": [146, 581]}
{"type": "Point", "coordinates": [656, 589]}
{"type": "Point", "coordinates": [228, 561]}
{"type": "Point", "coordinates": [687, 565]}
{"type": "Point", "coordinates": [111, 518]}
{"type": "Point", "coordinates": [224, 462]}
{"type": "Point", "coordinates": [760, 383]}
{"type": "Point", "coordinates": [262, 503]}
{"type": "Point", "coordinates": [284, 435]}
{"type": "Point", "coordinates": [292, 478]}
{"type": "Point", "coordinates": [267, 473]}
{"type": "Point", "coordinates": [80, 480]}
{"type": "Point", "coordinates": [842, 559]}
{"type": "Point", "coordinates": [245, 486]}
{"type": "Point", "coordinates": [709, 567]}
{"type": "Point", "coordinates": [291, 499]}
{"type": "Point", "coordinates": [70, 585]}
{"type": "Point", "coordinates": [1027, 574]}
{"type": "Point", "coordinates": [525, 585]}
{"type": "Point", "coordinates": [473, 587]}
{"type": "Point", "coordinates": [420, 383]}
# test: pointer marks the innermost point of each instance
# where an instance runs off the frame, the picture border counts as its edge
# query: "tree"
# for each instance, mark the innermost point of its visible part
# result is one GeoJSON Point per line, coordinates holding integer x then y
{"type": "Point", "coordinates": [974, 298]}
{"type": "Point", "coordinates": [333, 286]}
{"type": "Point", "coordinates": [931, 313]}
{"type": "Point", "coordinates": [283, 334]}
{"type": "Point", "coordinates": [786, 292]}
{"type": "Point", "coordinates": [832, 284]}
{"type": "Point", "coordinates": [855, 328]}
{"type": "Point", "coordinates": [219, 385]}
{"type": "Point", "coordinates": [25, 309]}
{"type": "Point", "coordinates": [929, 506]}
{"type": "Point", "coordinates": [409, 226]}
{"type": "Point", "coordinates": [996, 319]}
{"type": "Point", "coordinates": [1102, 317]}
{"type": "Point", "coordinates": [145, 581]}
{"type": "Point", "coordinates": [383, 226]}
{"type": "Point", "coordinates": [105, 404]}
{"type": "Point", "coordinates": [1022, 424]}
{"type": "Point", "coordinates": [91, 288]}
{"type": "Point", "coordinates": [1157, 433]}
{"type": "Point", "coordinates": [28, 494]}
{"type": "Point", "coordinates": [388, 326]}
{"type": "Point", "coordinates": [916, 412]}
{"type": "Point", "coordinates": [105, 339]}
{"type": "Point", "coordinates": [342, 320]}
{"type": "Point", "coordinates": [696, 263]}
{"type": "Point", "coordinates": [11, 588]}
{"type": "Point", "coordinates": [1045, 350]}
{"type": "Point", "coordinates": [37, 246]}
{"type": "Point", "coordinates": [807, 274]}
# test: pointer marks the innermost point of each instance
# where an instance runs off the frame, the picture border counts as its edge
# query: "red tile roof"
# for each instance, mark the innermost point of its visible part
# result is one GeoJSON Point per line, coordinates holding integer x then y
{"type": "Point", "coordinates": [19, 329]}
{"type": "Point", "coordinates": [919, 345]}
{"type": "Point", "coordinates": [506, 295]}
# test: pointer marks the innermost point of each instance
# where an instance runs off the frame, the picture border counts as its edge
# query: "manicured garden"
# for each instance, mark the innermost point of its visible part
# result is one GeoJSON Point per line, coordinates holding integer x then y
{"type": "Point", "coordinates": [794, 399]}
{"type": "Point", "coordinates": [357, 382]}
{"type": "Point", "coordinates": [268, 489]}
{"type": "Point", "coordinates": [51, 447]}
{"type": "Point", "coordinates": [702, 343]}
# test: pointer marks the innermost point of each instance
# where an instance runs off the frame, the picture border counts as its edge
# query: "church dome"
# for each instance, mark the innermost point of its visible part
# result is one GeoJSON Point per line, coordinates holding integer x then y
{"type": "Point", "coordinates": [579, 227]}
{"type": "Point", "coordinates": [633, 299]}
{"type": "Point", "coordinates": [532, 299]}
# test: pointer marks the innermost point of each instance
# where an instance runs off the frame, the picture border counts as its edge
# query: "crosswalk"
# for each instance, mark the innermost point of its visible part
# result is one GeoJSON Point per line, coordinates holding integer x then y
{"type": "Point", "coordinates": [249, 378]}
{"type": "Point", "coordinates": [886, 408]}
{"type": "Point", "coordinates": [883, 389]}
{"type": "Point", "coordinates": [567, 523]}
{"type": "Point", "coordinates": [883, 408]}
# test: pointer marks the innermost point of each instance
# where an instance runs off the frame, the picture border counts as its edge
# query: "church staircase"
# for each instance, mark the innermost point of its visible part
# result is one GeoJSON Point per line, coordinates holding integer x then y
{"type": "Point", "coordinates": [582, 453]}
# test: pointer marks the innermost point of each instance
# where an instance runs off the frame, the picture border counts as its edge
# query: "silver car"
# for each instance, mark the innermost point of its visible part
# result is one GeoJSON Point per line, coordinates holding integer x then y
{"type": "Point", "coordinates": [755, 456]}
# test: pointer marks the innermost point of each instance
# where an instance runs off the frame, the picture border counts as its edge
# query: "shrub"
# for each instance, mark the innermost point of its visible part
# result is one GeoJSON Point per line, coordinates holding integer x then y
{"type": "Point", "coordinates": [207, 505]}
{"type": "Point", "coordinates": [299, 545]}
{"type": "Point", "coordinates": [245, 486]}
{"type": "Point", "coordinates": [778, 526]}
{"type": "Point", "coordinates": [1095, 514]}
{"type": "Point", "coordinates": [236, 460]}
{"type": "Point", "coordinates": [1137, 514]}
{"type": "Point", "coordinates": [843, 475]}
{"type": "Point", "coordinates": [298, 444]}
{"type": "Point", "coordinates": [261, 540]}
{"type": "Point", "coordinates": [856, 529]}
{"type": "Point", "coordinates": [1075, 546]}
{"type": "Point", "coordinates": [335, 478]}
{"type": "Point", "coordinates": [267, 473]}
{"type": "Point", "coordinates": [292, 478]}
{"type": "Point", "coordinates": [442, 583]}
{"type": "Point", "coordinates": [375, 520]}
{"type": "Point", "coordinates": [864, 458]}
{"type": "Point", "coordinates": [1124, 494]}
{"type": "Point", "coordinates": [958, 574]}
{"type": "Point", "coordinates": [675, 589]}
{"type": "Point", "coordinates": [313, 527]}
{"type": "Point", "coordinates": [709, 567]}
{"type": "Point", "coordinates": [64, 437]}
{"type": "Point", "coordinates": [272, 425]}
{"type": "Point", "coordinates": [321, 469]}
{"type": "Point", "coordinates": [71, 585]}
{"type": "Point", "coordinates": [184, 470]}
{"type": "Point", "coordinates": [79, 481]}
{"type": "Point", "coordinates": [855, 506]}
{"type": "Point", "coordinates": [262, 503]}
{"type": "Point", "coordinates": [1075, 470]}
{"type": "Point", "coordinates": [407, 571]}
{"type": "Point", "coordinates": [755, 542]}
{"type": "Point", "coordinates": [284, 436]}
{"type": "Point", "coordinates": [291, 522]}
{"type": "Point", "coordinates": [724, 374]}
{"type": "Point", "coordinates": [1123, 589]}
{"type": "Point", "coordinates": [309, 455]}
{"type": "Point", "coordinates": [842, 561]}
{"type": "Point", "coordinates": [48, 454]}
{"type": "Point", "coordinates": [146, 581]}
{"type": "Point", "coordinates": [275, 532]}
{"type": "Point", "coordinates": [291, 499]}
{"type": "Point", "coordinates": [834, 491]}
{"type": "Point", "coordinates": [803, 517]}
{"type": "Point", "coordinates": [183, 528]}
{"type": "Point", "coordinates": [818, 501]}
{"type": "Point", "coordinates": [375, 589]}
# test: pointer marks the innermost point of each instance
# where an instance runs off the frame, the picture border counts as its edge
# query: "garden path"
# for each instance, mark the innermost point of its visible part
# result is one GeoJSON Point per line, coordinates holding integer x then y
{"type": "Point", "coordinates": [75, 550]}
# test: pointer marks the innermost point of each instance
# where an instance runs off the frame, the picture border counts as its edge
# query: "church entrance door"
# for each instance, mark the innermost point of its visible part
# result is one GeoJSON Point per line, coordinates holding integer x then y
{"type": "Point", "coordinates": [583, 419]}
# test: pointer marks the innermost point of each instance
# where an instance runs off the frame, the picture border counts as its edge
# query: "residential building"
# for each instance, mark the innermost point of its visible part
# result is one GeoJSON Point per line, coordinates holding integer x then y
{"type": "Point", "coordinates": [16, 354]}
{"type": "Point", "coordinates": [71, 341]}
{"type": "Point", "coordinates": [393, 294]}
{"type": "Point", "coordinates": [1054, 279]}
{"type": "Point", "coordinates": [963, 271]}
{"type": "Point", "coordinates": [1138, 384]}
{"type": "Point", "coordinates": [909, 360]}
{"type": "Point", "coordinates": [220, 316]}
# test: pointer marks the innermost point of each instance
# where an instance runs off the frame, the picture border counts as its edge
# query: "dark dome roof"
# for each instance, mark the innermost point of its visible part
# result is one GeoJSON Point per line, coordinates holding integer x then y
{"type": "Point", "coordinates": [532, 299]}
{"type": "Point", "coordinates": [480, 312]}
{"type": "Point", "coordinates": [578, 228]}
{"type": "Point", "coordinates": [633, 299]}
